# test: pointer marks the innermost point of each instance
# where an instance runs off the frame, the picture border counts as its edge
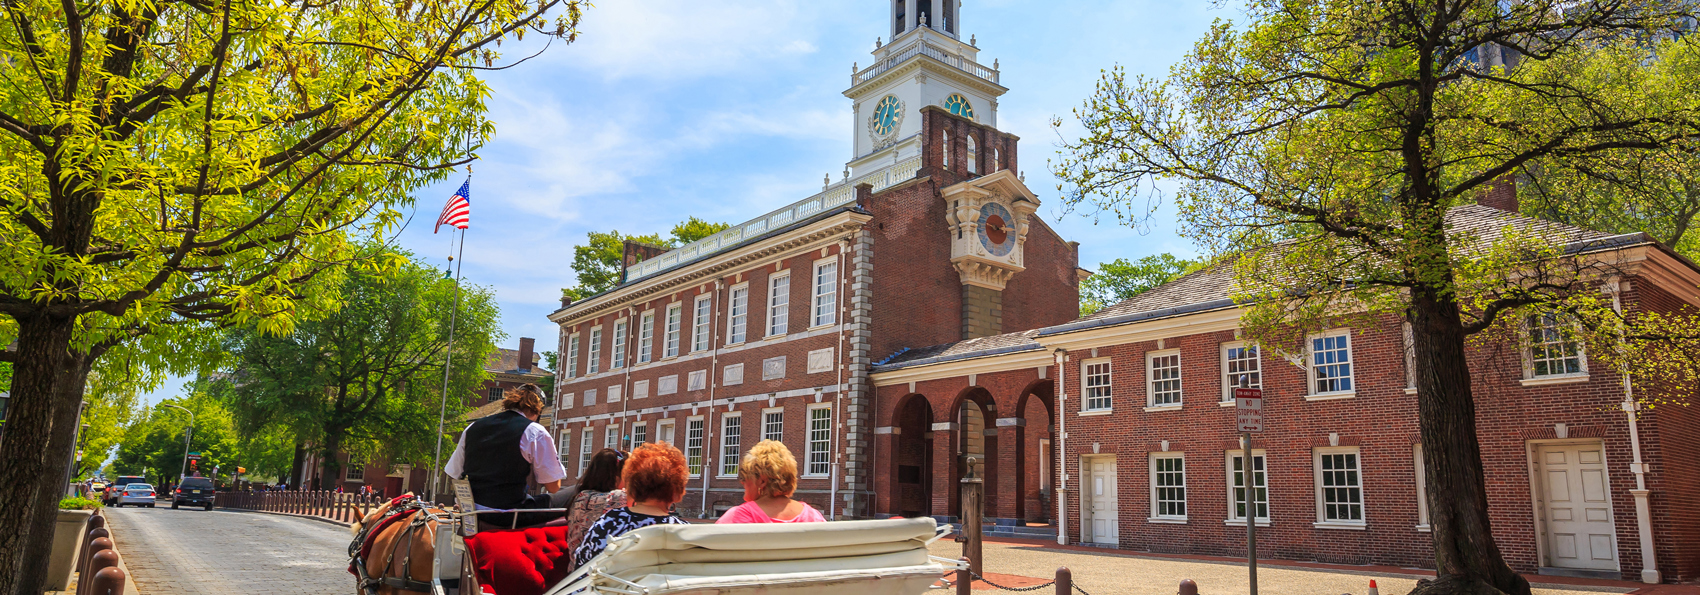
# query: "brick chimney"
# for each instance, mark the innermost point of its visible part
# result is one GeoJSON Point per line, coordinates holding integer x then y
{"type": "Point", "coordinates": [526, 345]}
{"type": "Point", "coordinates": [1501, 194]}
{"type": "Point", "coordinates": [636, 252]}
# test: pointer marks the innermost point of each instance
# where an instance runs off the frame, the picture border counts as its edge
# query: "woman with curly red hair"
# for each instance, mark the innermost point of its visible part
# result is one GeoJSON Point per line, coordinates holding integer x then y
{"type": "Point", "coordinates": [654, 478]}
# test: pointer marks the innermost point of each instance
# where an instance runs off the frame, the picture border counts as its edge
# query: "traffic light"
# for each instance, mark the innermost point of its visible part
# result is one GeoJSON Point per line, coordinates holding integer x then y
{"type": "Point", "coordinates": [241, 470]}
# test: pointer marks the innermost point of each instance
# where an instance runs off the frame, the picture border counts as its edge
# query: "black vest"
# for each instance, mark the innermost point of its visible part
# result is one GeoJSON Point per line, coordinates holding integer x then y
{"type": "Point", "coordinates": [494, 465]}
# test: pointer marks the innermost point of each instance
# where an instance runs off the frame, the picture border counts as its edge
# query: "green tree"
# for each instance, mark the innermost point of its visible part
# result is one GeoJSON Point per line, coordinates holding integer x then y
{"type": "Point", "coordinates": [368, 378]}
{"type": "Point", "coordinates": [170, 165]}
{"type": "Point", "coordinates": [153, 444]}
{"type": "Point", "coordinates": [598, 261]}
{"type": "Point", "coordinates": [1321, 147]}
{"type": "Point", "coordinates": [1661, 196]}
{"type": "Point", "coordinates": [1121, 279]}
{"type": "Point", "coordinates": [111, 404]}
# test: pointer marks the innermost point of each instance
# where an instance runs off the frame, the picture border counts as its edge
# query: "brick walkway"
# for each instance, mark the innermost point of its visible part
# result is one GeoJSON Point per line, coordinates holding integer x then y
{"type": "Point", "coordinates": [194, 551]}
{"type": "Point", "coordinates": [1109, 572]}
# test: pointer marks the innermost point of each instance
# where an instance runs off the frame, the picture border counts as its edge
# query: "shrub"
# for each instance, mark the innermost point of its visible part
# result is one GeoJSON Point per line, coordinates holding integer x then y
{"type": "Point", "coordinates": [79, 504]}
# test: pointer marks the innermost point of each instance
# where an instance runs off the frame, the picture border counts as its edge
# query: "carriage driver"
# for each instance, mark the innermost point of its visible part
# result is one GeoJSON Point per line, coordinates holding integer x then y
{"type": "Point", "coordinates": [496, 454]}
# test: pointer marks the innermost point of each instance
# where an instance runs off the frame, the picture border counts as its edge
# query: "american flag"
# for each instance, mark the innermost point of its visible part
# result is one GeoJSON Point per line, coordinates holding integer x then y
{"type": "Point", "coordinates": [458, 211]}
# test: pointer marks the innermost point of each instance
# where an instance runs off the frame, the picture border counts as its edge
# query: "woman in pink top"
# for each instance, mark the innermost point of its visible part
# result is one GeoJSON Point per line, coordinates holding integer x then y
{"type": "Point", "coordinates": [769, 475]}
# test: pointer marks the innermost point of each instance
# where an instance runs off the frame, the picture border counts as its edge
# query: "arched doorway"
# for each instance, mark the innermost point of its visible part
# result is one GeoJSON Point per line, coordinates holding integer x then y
{"type": "Point", "coordinates": [975, 422]}
{"type": "Point", "coordinates": [912, 460]}
{"type": "Point", "coordinates": [1035, 453]}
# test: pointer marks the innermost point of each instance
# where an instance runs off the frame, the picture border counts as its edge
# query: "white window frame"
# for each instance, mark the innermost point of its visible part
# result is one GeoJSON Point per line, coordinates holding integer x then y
{"type": "Point", "coordinates": [1151, 380]}
{"type": "Point", "coordinates": [640, 433]}
{"type": "Point", "coordinates": [670, 340]}
{"type": "Point", "coordinates": [696, 424]}
{"type": "Point", "coordinates": [731, 439]}
{"type": "Point", "coordinates": [572, 356]}
{"type": "Point", "coordinates": [354, 469]}
{"type": "Point", "coordinates": [779, 304]}
{"type": "Point", "coordinates": [646, 337]}
{"type": "Point", "coordinates": [617, 353]}
{"type": "Point", "coordinates": [1322, 520]}
{"type": "Point", "coordinates": [664, 432]}
{"type": "Point", "coordinates": [1231, 376]}
{"type": "Point", "coordinates": [586, 442]}
{"type": "Point", "coordinates": [1087, 379]}
{"type": "Point", "coordinates": [1420, 465]}
{"type": "Point", "coordinates": [702, 322]}
{"type": "Point", "coordinates": [773, 424]}
{"type": "Point", "coordinates": [1158, 514]}
{"type": "Point", "coordinates": [611, 436]}
{"type": "Point", "coordinates": [1530, 375]}
{"type": "Point", "coordinates": [823, 294]}
{"type": "Point", "coordinates": [818, 442]}
{"type": "Point", "coordinates": [593, 352]}
{"type": "Point", "coordinates": [972, 158]}
{"type": "Point", "coordinates": [1349, 379]}
{"type": "Point", "coordinates": [1258, 480]}
{"type": "Point", "coordinates": [564, 443]}
{"type": "Point", "coordinates": [737, 313]}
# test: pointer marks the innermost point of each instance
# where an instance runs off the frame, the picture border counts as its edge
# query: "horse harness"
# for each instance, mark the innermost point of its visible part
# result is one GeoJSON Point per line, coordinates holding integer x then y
{"type": "Point", "coordinates": [406, 506]}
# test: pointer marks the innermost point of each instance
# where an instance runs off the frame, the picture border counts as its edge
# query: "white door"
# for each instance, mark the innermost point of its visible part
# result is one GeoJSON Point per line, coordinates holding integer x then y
{"type": "Point", "coordinates": [664, 433]}
{"type": "Point", "coordinates": [1576, 505]}
{"type": "Point", "coordinates": [1101, 514]}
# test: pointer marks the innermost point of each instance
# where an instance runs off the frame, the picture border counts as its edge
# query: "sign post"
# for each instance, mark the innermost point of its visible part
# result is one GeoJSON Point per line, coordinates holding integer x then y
{"type": "Point", "coordinates": [1248, 409]}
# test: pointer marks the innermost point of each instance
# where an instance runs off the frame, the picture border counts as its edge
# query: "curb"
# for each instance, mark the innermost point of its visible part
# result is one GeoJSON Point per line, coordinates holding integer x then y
{"type": "Point", "coordinates": [129, 578]}
{"type": "Point", "coordinates": [291, 514]}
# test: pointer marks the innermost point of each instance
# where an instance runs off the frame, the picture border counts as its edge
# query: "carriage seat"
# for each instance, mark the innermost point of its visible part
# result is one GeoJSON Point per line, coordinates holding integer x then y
{"type": "Point", "coordinates": [834, 558]}
{"type": "Point", "coordinates": [519, 561]}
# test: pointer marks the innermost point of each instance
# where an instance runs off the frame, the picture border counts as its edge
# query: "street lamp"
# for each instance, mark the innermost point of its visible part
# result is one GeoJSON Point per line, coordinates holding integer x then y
{"type": "Point", "coordinates": [183, 470]}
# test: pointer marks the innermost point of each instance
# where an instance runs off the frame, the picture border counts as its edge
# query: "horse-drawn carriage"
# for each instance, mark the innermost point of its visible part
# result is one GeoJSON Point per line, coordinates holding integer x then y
{"type": "Point", "coordinates": [470, 557]}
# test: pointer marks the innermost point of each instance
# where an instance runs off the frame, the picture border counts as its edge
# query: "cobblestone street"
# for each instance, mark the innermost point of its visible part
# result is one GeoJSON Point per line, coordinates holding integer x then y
{"type": "Point", "coordinates": [191, 552]}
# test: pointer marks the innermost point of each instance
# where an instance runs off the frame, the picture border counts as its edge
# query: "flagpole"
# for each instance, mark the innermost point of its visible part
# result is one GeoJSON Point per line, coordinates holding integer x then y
{"type": "Point", "coordinates": [448, 357]}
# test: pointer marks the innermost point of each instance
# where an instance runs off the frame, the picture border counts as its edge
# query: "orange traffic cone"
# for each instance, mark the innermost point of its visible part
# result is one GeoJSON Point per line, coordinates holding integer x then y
{"type": "Point", "coordinates": [1372, 589]}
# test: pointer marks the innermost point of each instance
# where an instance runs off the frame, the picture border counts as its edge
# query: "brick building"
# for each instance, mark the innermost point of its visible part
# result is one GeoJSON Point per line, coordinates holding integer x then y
{"type": "Point", "coordinates": [917, 315]}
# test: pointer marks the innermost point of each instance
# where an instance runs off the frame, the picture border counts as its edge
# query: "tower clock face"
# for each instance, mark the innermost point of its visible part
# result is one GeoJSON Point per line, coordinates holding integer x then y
{"type": "Point", "coordinates": [888, 114]}
{"type": "Point", "coordinates": [996, 229]}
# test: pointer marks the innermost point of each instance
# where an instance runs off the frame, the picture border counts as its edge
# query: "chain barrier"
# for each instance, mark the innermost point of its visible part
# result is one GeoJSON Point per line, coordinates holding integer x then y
{"type": "Point", "coordinates": [1023, 589]}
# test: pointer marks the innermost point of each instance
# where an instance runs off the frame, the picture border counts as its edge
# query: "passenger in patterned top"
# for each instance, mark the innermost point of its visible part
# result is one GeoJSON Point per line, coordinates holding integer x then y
{"type": "Point", "coordinates": [598, 492]}
{"type": "Point", "coordinates": [654, 479]}
{"type": "Point", "coordinates": [769, 475]}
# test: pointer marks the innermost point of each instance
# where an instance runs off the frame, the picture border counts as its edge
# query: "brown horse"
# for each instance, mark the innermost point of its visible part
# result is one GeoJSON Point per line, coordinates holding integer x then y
{"type": "Point", "coordinates": [397, 554]}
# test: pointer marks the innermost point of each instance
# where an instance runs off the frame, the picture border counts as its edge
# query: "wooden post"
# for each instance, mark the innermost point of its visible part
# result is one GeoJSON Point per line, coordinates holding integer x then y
{"type": "Point", "coordinates": [1065, 581]}
{"type": "Point", "coordinates": [973, 494]}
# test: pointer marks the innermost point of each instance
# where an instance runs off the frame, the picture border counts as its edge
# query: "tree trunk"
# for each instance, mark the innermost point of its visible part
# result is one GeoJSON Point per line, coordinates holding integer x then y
{"type": "Point", "coordinates": [35, 453]}
{"type": "Point", "coordinates": [1467, 560]}
{"type": "Point", "coordinates": [298, 467]}
{"type": "Point", "coordinates": [330, 473]}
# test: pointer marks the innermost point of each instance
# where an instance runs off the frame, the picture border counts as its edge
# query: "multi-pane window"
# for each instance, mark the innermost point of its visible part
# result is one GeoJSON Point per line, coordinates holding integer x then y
{"type": "Point", "coordinates": [584, 446]}
{"type": "Point", "coordinates": [1241, 368]}
{"type": "Point", "coordinates": [773, 425]}
{"type": "Point", "coordinates": [670, 345]}
{"type": "Point", "coordinates": [565, 444]}
{"type": "Point", "coordinates": [1164, 378]}
{"type": "Point", "coordinates": [700, 323]}
{"type": "Point", "coordinates": [1552, 351]}
{"type": "Point", "coordinates": [731, 433]}
{"type": "Point", "coordinates": [778, 305]}
{"type": "Point", "coordinates": [738, 314]}
{"type": "Point", "coordinates": [693, 445]}
{"type": "Point", "coordinates": [572, 356]}
{"type": "Point", "coordinates": [1237, 486]}
{"type": "Point", "coordinates": [1331, 363]}
{"type": "Point", "coordinates": [640, 434]}
{"type": "Point", "coordinates": [826, 293]}
{"type": "Point", "coordinates": [356, 468]}
{"type": "Point", "coordinates": [1341, 496]}
{"type": "Point", "coordinates": [494, 394]}
{"type": "Point", "coordinates": [618, 357]}
{"type": "Point", "coordinates": [593, 359]}
{"type": "Point", "coordinates": [820, 440]}
{"type": "Point", "coordinates": [611, 436]}
{"type": "Point", "coordinates": [646, 337]}
{"type": "Point", "coordinates": [1097, 383]}
{"type": "Point", "coordinates": [973, 158]}
{"type": "Point", "coordinates": [1168, 486]}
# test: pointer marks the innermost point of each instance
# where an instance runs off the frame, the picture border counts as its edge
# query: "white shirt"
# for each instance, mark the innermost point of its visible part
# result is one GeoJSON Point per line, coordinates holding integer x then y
{"type": "Point", "coordinates": [535, 445]}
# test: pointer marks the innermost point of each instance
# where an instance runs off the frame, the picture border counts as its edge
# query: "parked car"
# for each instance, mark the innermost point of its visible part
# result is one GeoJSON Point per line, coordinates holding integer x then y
{"type": "Point", "coordinates": [194, 491]}
{"type": "Point", "coordinates": [117, 488]}
{"type": "Point", "coordinates": [139, 494]}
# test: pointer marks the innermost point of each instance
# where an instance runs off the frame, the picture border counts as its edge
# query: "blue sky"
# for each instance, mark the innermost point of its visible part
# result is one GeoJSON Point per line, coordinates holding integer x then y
{"type": "Point", "coordinates": [725, 110]}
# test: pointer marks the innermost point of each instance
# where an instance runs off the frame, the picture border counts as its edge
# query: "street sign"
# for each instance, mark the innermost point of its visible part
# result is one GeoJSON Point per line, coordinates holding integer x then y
{"type": "Point", "coordinates": [1248, 405]}
{"type": "Point", "coordinates": [194, 456]}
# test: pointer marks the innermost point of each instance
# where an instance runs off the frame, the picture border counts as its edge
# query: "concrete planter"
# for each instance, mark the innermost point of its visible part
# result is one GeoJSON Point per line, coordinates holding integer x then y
{"type": "Point", "coordinates": [67, 536]}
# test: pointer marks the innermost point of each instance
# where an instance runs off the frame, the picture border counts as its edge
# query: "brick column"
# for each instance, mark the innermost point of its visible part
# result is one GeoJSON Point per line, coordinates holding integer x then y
{"type": "Point", "coordinates": [1012, 469]}
{"type": "Point", "coordinates": [946, 469]}
{"type": "Point", "coordinates": [859, 408]}
{"type": "Point", "coordinates": [884, 478]}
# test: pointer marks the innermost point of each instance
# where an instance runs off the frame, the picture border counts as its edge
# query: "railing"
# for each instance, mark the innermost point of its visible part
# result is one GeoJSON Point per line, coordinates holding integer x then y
{"type": "Point", "coordinates": [924, 49]}
{"type": "Point", "coordinates": [343, 508]}
{"type": "Point", "coordinates": [836, 195]}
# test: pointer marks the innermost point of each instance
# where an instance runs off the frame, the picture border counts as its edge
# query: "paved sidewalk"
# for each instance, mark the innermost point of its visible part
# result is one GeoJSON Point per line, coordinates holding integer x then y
{"type": "Point", "coordinates": [1115, 572]}
{"type": "Point", "coordinates": [194, 551]}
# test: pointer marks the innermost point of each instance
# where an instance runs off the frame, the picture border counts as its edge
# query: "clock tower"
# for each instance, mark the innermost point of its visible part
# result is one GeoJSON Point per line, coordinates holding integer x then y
{"type": "Point", "coordinates": [926, 63]}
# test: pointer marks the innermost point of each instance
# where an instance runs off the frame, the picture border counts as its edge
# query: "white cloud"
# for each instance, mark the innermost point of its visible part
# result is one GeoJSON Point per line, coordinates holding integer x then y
{"type": "Point", "coordinates": [689, 39]}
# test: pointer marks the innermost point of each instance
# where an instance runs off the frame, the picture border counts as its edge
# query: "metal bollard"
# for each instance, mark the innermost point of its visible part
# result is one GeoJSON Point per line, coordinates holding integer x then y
{"type": "Point", "coordinates": [85, 565]}
{"type": "Point", "coordinates": [101, 560]}
{"type": "Point", "coordinates": [109, 581]}
{"type": "Point", "coordinates": [964, 578]}
{"type": "Point", "coordinates": [1188, 587]}
{"type": "Point", "coordinates": [1065, 580]}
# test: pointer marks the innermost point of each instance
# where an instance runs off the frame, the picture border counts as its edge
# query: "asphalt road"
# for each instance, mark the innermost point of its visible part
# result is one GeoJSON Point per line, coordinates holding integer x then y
{"type": "Point", "coordinates": [193, 551]}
